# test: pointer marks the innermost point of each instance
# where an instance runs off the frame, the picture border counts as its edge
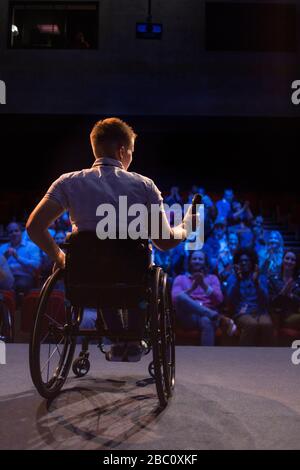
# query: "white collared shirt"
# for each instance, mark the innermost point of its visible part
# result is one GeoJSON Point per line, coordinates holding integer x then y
{"type": "Point", "coordinates": [81, 192]}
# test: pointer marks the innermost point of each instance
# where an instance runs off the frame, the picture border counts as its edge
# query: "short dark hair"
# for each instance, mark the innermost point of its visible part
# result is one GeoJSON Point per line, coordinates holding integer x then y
{"type": "Point", "coordinates": [245, 251]}
{"type": "Point", "coordinates": [109, 134]}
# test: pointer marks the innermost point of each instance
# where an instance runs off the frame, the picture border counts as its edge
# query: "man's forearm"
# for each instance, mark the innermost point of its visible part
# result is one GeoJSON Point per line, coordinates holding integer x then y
{"type": "Point", "coordinates": [43, 240]}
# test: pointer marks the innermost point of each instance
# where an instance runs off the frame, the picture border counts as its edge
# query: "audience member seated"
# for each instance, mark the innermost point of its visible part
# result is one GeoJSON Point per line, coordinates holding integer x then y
{"type": "Point", "coordinates": [225, 265]}
{"type": "Point", "coordinates": [6, 277]}
{"type": "Point", "coordinates": [60, 237]}
{"type": "Point", "coordinates": [195, 190]}
{"type": "Point", "coordinates": [23, 258]}
{"type": "Point", "coordinates": [247, 297]}
{"type": "Point", "coordinates": [270, 259]}
{"type": "Point", "coordinates": [240, 212]}
{"type": "Point", "coordinates": [260, 235]}
{"type": "Point", "coordinates": [63, 223]}
{"type": "Point", "coordinates": [164, 260]}
{"type": "Point", "coordinates": [210, 214]}
{"type": "Point", "coordinates": [241, 217]}
{"type": "Point", "coordinates": [174, 197]}
{"type": "Point", "coordinates": [217, 242]}
{"type": "Point", "coordinates": [284, 291]}
{"type": "Point", "coordinates": [224, 206]}
{"type": "Point", "coordinates": [197, 296]}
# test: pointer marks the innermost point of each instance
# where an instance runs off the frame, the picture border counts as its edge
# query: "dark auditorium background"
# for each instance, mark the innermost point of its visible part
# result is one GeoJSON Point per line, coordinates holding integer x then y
{"type": "Point", "coordinates": [210, 100]}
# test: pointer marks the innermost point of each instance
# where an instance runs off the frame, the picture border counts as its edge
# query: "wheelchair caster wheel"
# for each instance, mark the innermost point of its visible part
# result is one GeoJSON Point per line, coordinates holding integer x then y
{"type": "Point", "coordinates": [81, 366]}
{"type": "Point", "coordinates": [151, 369]}
{"type": "Point", "coordinates": [146, 347]}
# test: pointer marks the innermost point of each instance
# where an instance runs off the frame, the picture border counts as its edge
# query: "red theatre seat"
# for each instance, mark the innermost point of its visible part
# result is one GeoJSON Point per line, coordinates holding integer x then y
{"type": "Point", "coordinates": [9, 300]}
{"type": "Point", "coordinates": [55, 308]}
{"type": "Point", "coordinates": [285, 336]}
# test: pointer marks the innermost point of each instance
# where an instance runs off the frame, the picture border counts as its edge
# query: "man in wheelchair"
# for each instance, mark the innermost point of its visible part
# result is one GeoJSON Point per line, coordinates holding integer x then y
{"type": "Point", "coordinates": [88, 194]}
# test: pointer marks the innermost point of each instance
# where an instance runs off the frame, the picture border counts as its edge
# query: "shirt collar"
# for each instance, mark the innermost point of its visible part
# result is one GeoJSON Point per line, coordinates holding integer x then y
{"type": "Point", "coordinates": [108, 161]}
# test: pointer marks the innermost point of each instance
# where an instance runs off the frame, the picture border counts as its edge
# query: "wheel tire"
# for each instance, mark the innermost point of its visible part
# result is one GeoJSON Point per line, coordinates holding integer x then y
{"type": "Point", "coordinates": [81, 366]}
{"type": "Point", "coordinates": [168, 336]}
{"type": "Point", "coordinates": [51, 387]}
{"type": "Point", "coordinates": [156, 338]}
{"type": "Point", "coordinates": [151, 369]}
{"type": "Point", "coordinates": [6, 323]}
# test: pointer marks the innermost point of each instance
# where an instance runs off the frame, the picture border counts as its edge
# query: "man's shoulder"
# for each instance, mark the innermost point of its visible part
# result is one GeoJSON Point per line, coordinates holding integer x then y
{"type": "Point", "coordinates": [73, 175]}
{"type": "Point", "coordinates": [139, 177]}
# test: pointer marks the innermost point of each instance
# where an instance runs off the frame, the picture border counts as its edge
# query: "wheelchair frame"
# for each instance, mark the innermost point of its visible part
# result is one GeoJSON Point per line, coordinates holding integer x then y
{"type": "Point", "coordinates": [48, 332]}
{"type": "Point", "coordinates": [6, 322]}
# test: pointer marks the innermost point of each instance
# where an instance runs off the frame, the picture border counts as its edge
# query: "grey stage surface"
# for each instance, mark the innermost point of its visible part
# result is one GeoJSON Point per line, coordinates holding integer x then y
{"type": "Point", "coordinates": [226, 398]}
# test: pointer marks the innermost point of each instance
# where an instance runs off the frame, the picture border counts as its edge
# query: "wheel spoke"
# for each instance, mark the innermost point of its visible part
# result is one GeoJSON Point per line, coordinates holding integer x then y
{"type": "Point", "coordinates": [48, 361]}
{"type": "Point", "coordinates": [53, 320]}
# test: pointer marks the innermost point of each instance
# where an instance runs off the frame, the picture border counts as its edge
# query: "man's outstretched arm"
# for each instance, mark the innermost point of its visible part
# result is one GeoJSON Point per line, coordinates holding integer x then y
{"type": "Point", "coordinates": [37, 227]}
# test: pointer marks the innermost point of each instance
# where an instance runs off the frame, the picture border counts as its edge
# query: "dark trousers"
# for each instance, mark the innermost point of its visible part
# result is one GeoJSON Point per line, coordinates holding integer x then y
{"type": "Point", "coordinates": [255, 330]}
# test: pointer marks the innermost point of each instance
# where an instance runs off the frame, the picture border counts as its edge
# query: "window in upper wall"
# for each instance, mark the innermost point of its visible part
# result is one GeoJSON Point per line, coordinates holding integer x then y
{"type": "Point", "coordinates": [263, 27]}
{"type": "Point", "coordinates": [53, 25]}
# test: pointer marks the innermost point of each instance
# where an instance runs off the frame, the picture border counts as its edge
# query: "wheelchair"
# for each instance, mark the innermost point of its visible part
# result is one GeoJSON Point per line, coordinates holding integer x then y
{"type": "Point", "coordinates": [102, 274]}
{"type": "Point", "coordinates": [6, 317]}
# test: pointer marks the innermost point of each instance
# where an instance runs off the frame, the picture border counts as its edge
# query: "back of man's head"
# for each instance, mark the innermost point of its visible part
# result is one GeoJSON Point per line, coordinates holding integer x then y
{"type": "Point", "coordinates": [109, 135]}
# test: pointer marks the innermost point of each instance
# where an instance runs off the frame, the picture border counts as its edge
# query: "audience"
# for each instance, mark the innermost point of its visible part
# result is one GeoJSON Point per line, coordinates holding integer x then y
{"type": "Point", "coordinates": [174, 197]}
{"type": "Point", "coordinates": [225, 265]}
{"type": "Point", "coordinates": [197, 296]}
{"type": "Point", "coordinates": [224, 206]}
{"type": "Point", "coordinates": [260, 235]}
{"type": "Point", "coordinates": [241, 217]}
{"type": "Point", "coordinates": [6, 276]}
{"type": "Point", "coordinates": [285, 293]}
{"type": "Point", "coordinates": [271, 257]}
{"type": "Point", "coordinates": [241, 268]}
{"type": "Point", "coordinates": [217, 242]}
{"type": "Point", "coordinates": [23, 258]}
{"type": "Point", "coordinates": [247, 297]}
{"type": "Point", "coordinates": [210, 214]}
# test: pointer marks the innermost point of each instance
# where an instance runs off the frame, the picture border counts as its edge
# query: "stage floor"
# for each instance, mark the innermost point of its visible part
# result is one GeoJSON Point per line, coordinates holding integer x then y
{"type": "Point", "coordinates": [226, 398]}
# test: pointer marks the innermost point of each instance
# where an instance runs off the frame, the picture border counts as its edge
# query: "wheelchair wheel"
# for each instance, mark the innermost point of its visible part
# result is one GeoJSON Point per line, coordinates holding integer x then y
{"type": "Point", "coordinates": [163, 341]}
{"type": "Point", "coordinates": [52, 345]}
{"type": "Point", "coordinates": [151, 369]}
{"type": "Point", "coordinates": [6, 324]}
{"type": "Point", "coordinates": [168, 335]}
{"type": "Point", "coordinates": [81, 366]}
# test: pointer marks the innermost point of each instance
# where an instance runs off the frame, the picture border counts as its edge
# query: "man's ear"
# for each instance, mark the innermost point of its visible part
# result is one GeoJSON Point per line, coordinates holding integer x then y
{"type": "Point", "coordinates": [122, 153]}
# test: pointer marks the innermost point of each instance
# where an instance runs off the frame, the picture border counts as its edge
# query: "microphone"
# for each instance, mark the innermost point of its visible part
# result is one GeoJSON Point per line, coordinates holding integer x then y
{"type": "Point", "coordinates": [197, 199]}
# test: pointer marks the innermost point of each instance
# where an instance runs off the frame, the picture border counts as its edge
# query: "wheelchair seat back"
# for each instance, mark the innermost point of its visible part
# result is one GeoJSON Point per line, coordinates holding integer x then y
{"type": "Point", "coordinates": [106, 273]}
